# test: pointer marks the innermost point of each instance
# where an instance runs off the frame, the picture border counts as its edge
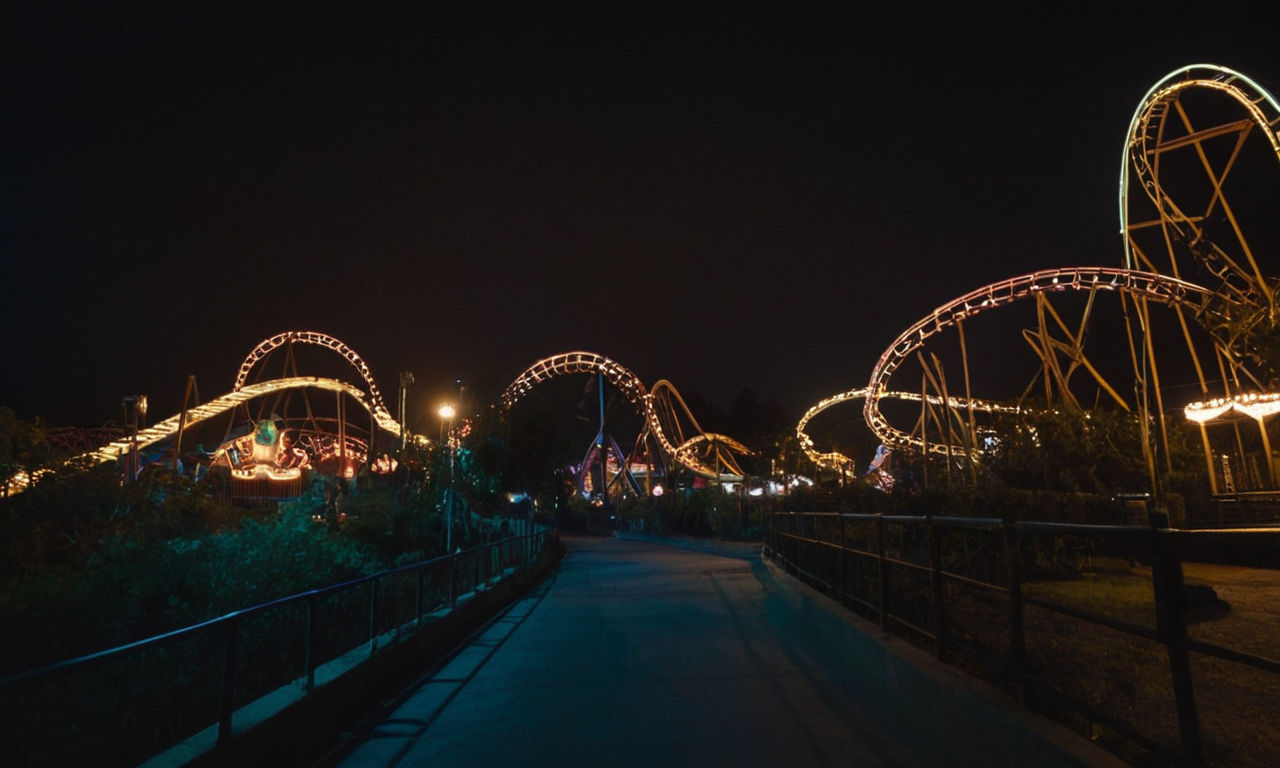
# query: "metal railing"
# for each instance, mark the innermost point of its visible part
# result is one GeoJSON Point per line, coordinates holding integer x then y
{"type": "Point", "coordinates": [961, 587]}
{"type": "Point", "coordinates": [123, 705]}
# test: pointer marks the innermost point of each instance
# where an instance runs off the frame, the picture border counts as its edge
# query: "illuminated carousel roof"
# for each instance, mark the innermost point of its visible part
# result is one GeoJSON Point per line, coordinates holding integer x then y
{"type": "Point", "coordinates": [1254, 405]}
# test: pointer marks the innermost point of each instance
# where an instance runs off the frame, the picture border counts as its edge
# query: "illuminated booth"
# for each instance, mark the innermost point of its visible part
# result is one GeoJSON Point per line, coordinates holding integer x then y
{"type": "Point", "coordinates": [1237, 446]}
{"type": "Point", "coordinates": [264, 464]}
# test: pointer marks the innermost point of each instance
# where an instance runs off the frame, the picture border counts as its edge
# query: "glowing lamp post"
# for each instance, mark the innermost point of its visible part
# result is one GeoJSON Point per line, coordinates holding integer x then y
{"type": "Point", "coordinates": [446, 415]}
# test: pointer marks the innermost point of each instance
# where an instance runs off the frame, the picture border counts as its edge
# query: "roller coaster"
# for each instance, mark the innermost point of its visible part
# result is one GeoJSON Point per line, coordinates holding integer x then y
{"type": "Point", "coordinates": [323, 439]}
{"type": "Point", "coordinates": [669, 431]}
{"type": "Point", "coordinates": [671, 436]}
{"type": "Point", "coordinates": [1185, 252]}
{"type": "Point", "coordinates": [1184, 249]}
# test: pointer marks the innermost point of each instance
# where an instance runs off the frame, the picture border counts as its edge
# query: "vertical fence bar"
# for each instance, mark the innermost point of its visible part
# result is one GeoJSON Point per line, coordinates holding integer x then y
{"type": "Point", "coordinates": [1017, 629]}
{"type": "Point", "coordinates": [453, 580]}
{"type": "Point", "coordinates": [418, 597]}
{"type": "Point", "coordinates": [882, 571]}
{"type": "Point", "coordinates": [230, 659]}
{"type": "Point", "coordinates": [932, 538]}
{"type": "Point", "coordinates": [373, 615]}
{"type": "Point", "coordinates": [783, 543]}
{"type": "Point", "coordinates": [766, 536]}
{"type": "Point", "coordinates": [311, 643]}
{"type": "Point", "coordinates": [844, 564]}
{"type": "Point", "coordinates": [1171, 627]}
{"type": "Point", "coordinates": [802, 542]}
{"type": "Point", "coordinates": [792, 542]}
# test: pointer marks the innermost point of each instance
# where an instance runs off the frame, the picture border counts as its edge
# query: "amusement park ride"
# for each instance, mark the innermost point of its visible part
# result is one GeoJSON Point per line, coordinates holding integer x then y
{"type": "Point", "coordinates": [1193, 136]}
{"type": "Point", "coordinates": [1184, 249]}
{"type": "Point", "coordinates": [277, 429]}
{"type": "Point", "coordinates": [670, 433]}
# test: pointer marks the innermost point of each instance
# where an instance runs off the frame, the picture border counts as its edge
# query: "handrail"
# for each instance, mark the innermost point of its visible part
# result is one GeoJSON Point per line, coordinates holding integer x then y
{"type": "Point", "coordinates": [811, 546]}
{"type": "Point", "coordinates": [166, 637]}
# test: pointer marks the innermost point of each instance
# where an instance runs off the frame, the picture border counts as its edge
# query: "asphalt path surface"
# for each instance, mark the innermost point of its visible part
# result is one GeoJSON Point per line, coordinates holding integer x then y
{"type": "Point", "coordinates": [639, 654]}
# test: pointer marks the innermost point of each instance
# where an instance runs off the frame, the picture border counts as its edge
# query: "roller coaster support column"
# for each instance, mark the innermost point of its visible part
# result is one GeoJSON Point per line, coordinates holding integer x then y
{"type": "Point", "coordinates": [602, 445]}
{"type": "Point", "coordinates": [406, 381]}
{"type": "Point", "coordinates": [135, 408]}
{"type": "Point", "coordinates": [342, 433]}
{"type": "Point", "coordinates": [182, 420]}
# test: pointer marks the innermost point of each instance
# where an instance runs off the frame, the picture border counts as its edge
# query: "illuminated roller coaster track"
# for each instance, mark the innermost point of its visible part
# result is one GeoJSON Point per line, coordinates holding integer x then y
{"type": "Point", "coordinates": [243, 392]}
{"type": "Point", "coordinates": [169, 427]}
{"type": "Point", "coordinates": [704, 453]}
{"type": "Point", "coordinates": [699, 449]}
{"type": "Point", "coordinates": [1241, 301]}
{"type": "Point", "coordinates": [836, 461]}
{"type": "Point", "coordinates": [117, 449]}
{"type": "Point", "coordinates": [287, 339]}
{"type": "Point", "coordinates": [1137, 285]}
{"type": "Point", "coordinates": [1162, 125]}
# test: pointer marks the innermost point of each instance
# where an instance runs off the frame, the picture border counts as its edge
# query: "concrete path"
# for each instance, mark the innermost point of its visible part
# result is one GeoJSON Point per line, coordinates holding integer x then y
{"type": "Point", "coordinates": [639, 654]}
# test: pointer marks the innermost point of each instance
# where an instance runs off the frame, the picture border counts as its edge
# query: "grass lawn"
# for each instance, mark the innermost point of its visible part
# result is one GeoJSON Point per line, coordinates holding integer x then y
{"type": "Point", "coordinates": [1128, 677]}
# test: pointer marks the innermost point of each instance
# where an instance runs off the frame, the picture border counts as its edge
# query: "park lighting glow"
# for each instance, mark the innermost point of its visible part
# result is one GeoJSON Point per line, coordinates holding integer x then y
{"type": "Point", "coordinates": [1255, 405]}
{"type": "Point", "coordinates": [447, 412]}
{"type": "Point", "coordinates": [1162, 289]}
{"type": "Point", "coordinates": [662, 409]}
{"type": "Point", "coordinates": [288, 338]}
{"type": "Point", "coordinates": [279, 474]}
{"type": "Point", "coordinates": [266, 455]}
{"type": "Point", "coordinates": [1251, 96]}
{"type": "Point", "coordinates": [839, 462]}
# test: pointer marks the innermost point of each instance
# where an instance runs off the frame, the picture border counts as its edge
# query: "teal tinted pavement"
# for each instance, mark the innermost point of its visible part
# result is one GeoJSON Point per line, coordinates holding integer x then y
{"type": "Point", "coordinates": [639, 654]}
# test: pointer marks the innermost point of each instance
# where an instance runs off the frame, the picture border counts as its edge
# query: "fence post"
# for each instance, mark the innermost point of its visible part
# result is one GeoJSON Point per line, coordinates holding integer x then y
{"type": "Point", "coordinates": [311, 643]}
{"type": "Point", "coordinates": [844, 563]}
{"type": "Point", "coordinates": [770, 534]}
{"type": "Point", "coordinates": [373, 615]}
{"type": "Point", "coordinates": [230, 636]}
{"type": "Point", "coordinates": [933, 540]}
{"type": "Point", "coordinates": [1171, 628]}
{"type": "Point", "coordinates": [882, 571]}
{"type": "Point", "coordinates": [803, 538]}
{"type": "Point", "coordinates": [418, 598]}
{"type": "Point", "coordinates": [791, 543]}
{"type": "Point", "coordinates": [453, 580]}
{"type": "Point", "coordinates": [1017, 632]}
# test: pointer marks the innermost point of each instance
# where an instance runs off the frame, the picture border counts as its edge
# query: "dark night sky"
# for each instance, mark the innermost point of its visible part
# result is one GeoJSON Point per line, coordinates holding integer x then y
{"type": "Point", "coordinates": [722, 198]}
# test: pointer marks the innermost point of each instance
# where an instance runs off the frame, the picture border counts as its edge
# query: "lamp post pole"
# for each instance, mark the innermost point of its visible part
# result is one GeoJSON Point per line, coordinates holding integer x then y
{"type": "Point", "coordinates": [446, 415]}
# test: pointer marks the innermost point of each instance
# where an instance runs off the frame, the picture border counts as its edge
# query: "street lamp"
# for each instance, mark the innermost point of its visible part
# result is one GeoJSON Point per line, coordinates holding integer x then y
{"type": "Point", "coordinates": [446, 414]}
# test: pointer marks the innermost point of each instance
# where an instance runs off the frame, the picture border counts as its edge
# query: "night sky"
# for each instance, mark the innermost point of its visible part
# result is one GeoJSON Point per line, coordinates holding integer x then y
{"type": "Point", "coordinates": [719, 197]}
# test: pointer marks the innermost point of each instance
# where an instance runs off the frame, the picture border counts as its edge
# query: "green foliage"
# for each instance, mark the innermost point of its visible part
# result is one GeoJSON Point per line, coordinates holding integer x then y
{"type": "Point", "coordinates": [23, 446]}
{"type": "Point", "coordinates": [90, 563]}
{"type": "Point", "coordinates": [1065, 451]}
{"type": "Point", "coordinates": [538, 447]}
{"type": "Point", "coordinates": [690, 512]}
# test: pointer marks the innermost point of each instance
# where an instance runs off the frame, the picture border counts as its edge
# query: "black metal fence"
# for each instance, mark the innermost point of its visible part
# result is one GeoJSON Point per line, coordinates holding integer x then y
{"type": "Point", "coordinates": [1033, 607]}
{"type": "Point", "coordinates": [123, 705]}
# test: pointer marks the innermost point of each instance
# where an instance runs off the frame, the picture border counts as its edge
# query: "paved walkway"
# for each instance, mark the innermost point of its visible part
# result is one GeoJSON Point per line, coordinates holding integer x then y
{"type": "Point", "coordinates": [639, 654]}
